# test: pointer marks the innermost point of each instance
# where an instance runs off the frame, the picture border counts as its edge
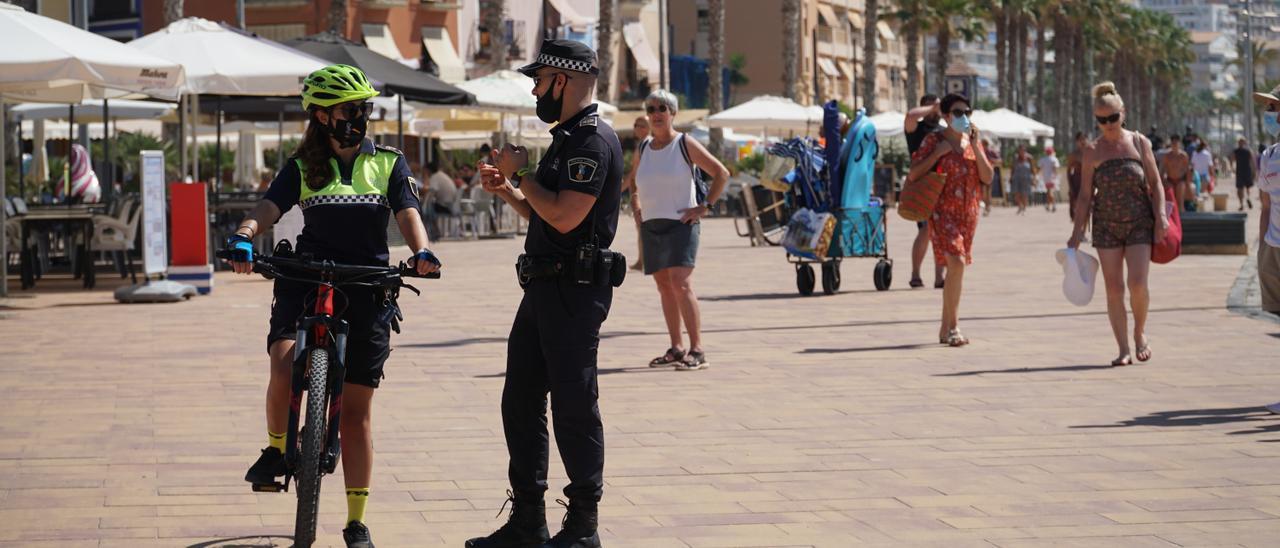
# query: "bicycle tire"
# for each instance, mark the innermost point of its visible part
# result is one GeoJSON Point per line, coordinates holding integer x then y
{"type": "Point", "coordinates": [313, 433]}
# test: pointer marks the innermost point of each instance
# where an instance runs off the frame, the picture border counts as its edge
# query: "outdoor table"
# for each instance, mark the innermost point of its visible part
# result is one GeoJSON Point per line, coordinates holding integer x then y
{"type": "Point", "coordinates": [49, 218]}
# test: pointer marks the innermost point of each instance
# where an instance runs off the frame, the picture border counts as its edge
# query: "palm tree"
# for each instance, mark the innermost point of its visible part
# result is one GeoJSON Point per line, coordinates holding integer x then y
{"type": "Point", "coordinates": [172, 10]}
{"type": "Point", "coordinates": [870, 45]}
{"type": "Point", "coordinates": [791, 49]}
{"type": "Point", "coordinates": [338, 17]}
{"type": "Point", "coordinates": [914, 17]}
{"type": "Point", "coordinates": [606, 85]}
{"type": "Point", "coordinates": [715, 39]}
{"type": "Point", "coordinates": [949, 19]}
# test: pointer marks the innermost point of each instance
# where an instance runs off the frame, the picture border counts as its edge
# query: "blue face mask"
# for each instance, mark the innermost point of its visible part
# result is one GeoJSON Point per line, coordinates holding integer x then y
{"type": "Point", "coordinates": [961, 124]}
{"type": "Point", "coordinates": [1270, 123]}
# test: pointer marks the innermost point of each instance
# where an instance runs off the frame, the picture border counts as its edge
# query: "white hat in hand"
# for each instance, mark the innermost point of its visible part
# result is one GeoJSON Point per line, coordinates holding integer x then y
{"type": "Point", "coordinates": [1080, 271]}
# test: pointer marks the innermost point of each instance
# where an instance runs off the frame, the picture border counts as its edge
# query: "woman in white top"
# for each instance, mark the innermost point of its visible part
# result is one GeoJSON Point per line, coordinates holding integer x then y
{"type": "Point", "coordinates": [670, 205]}
{"type": "Point", "coordinates": [1269, 222]}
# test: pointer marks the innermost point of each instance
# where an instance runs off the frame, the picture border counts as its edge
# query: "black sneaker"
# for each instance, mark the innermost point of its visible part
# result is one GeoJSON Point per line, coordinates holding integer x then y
{"type": "Point", "coordinates": [526, 526]}
{"type": "Point", "coordinates": [270, 466]}
{"type": "Point", "coordinates": [579, 528]}
{"type": "Point", "coordinates": [357, 535]}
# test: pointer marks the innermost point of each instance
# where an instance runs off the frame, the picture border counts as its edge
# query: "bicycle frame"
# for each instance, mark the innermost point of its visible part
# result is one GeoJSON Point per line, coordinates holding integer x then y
{"type": "Point", "coordinates": [314, 332]}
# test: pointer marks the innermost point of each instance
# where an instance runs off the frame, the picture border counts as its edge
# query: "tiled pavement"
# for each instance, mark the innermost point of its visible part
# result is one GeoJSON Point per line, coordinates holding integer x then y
{"type": "Point", "coordinates": [823, 421]}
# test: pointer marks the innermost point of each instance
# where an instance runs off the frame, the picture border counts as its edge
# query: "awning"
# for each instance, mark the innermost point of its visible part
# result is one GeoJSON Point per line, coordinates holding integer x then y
{"type": "Point", "coordinates": [885, 31]}
{"type": "Point", "coordinates": [846, 69]}
{"type": "Point", "coordinates": [856, 19]}
{"type": "Point", "coordinates": [570, 16]}
{"type": "Point", "coordinates": [638, 42]}
{"type": "Point", "coordinates": [440, 47]}
{"type": "Point", "coordinates": [828, 67]}
{"type": "Point", "coordinates": [828, 15]}
{"type": "Point", "coordinates": [378, 38]}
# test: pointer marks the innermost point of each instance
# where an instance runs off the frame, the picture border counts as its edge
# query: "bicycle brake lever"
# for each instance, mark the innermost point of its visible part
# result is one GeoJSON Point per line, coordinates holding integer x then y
{"type": "Point", "coordinates": [411, 288]}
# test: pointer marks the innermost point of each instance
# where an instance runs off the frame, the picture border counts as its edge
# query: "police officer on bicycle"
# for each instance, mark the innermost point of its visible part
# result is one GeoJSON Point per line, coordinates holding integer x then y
{"type": "Point", "coordinates": [348, 189]}
{"type": "Point", "coordinates": [568, 276]}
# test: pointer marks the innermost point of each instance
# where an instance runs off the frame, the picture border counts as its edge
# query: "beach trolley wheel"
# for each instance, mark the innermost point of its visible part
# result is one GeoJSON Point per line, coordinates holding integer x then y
{"type": "Point", "coordinates": [830, 277]}
{"type": "Point", "coordinates": [883, 274]}
{"type": "Point", "coordinates": [805, 279]}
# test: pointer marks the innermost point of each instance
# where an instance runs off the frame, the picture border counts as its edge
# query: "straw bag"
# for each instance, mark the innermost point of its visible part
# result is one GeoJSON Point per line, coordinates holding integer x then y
{"type": "Point", "coordinates": [920, 195]}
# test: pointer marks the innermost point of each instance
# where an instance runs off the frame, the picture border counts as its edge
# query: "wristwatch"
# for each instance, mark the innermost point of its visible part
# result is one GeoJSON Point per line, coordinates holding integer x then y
{"type": "Point", "coordinates": [519, 174]}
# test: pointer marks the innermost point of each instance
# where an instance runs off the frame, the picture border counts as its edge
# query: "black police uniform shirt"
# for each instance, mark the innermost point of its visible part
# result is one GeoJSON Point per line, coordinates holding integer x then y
{"type": "Point", "coordinates": [350, 233]}
{"type": "Point", "coordinates": [585, 156]}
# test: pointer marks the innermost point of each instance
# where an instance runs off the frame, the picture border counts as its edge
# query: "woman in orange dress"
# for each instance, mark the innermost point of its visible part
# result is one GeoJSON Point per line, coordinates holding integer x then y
{"type": "Point", "coordinates": [958, 153]}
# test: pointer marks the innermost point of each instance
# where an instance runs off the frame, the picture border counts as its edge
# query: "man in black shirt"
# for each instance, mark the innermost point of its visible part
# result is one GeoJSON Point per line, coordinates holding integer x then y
{"type": "Point", "coordinates": [922, 121]}
{"type": "Point", "coordinates": [1245, 162]}
{"type": "Point", "coordinates": [571, 201]}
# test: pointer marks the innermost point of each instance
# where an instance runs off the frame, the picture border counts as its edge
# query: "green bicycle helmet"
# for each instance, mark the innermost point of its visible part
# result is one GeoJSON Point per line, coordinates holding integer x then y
{"type": "Point", "coordinates": [335, 84]}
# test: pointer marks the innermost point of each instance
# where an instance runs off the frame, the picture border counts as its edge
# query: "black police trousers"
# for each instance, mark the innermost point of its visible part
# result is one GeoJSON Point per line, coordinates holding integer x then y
{"type": "Point", "coordinates": [552, 349]}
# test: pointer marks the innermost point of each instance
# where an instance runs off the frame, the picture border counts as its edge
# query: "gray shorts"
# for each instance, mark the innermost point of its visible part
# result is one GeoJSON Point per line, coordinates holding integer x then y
{"type": "Point", "coordinates": [667, 243]}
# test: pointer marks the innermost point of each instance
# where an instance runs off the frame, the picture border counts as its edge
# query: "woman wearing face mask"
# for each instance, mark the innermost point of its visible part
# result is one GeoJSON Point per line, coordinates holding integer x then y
{"type": "Point", "coordinates": [348, 189]}
{"type": "Point", "coordinates": [1122, 193]}
{"type": "Point", "coordinates": [1269, 222]}
{"type": "Point", "coordinates": [957, 152]}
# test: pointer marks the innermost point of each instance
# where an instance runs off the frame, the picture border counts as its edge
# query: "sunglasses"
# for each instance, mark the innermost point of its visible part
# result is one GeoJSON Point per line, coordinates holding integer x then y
{"type": "Point", "coordinates": [352, 111]}
{"type": "Point", "coordinates": [650, 109]}
{"type": "Point", "coordinates": [1106, 120]}
{"type": "Point", "coordinates": [962, 112]}
{"type": "Point", "coordinates": [537, 80]}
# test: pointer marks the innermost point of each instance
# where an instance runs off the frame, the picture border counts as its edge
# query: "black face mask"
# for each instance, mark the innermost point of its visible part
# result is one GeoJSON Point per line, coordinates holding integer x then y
{"type": "Point", "coordinates": [347, 133]}
{"type": "Point", "coordinates": [549, 109]}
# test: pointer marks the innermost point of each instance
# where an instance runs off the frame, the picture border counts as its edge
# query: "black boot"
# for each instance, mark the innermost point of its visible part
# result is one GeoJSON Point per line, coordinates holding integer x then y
{"type": "Point", "coordinates": [526, 527]}
{"type": "Point", "coordinates": [578, 529]}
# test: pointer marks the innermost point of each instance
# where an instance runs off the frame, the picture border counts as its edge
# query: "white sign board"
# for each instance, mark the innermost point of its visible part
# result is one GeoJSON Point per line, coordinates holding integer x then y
{"type": "Point", "coordinates": [155, 254]}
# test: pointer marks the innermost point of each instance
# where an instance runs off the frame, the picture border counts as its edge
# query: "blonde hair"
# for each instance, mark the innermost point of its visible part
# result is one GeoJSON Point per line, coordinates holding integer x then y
{"type": "Point", "coordinates": [1105, 95]}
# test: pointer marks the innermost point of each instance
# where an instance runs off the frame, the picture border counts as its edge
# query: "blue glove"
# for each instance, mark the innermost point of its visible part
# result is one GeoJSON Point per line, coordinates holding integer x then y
{"type": "Point", "coordinates": [241, 248]}
{"type": "Point", "coordinates": [425, 254]}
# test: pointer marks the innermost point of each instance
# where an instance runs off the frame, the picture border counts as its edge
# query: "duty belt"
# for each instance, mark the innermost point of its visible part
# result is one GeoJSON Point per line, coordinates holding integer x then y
{"type": "Point", "coordinates": [532, 267]}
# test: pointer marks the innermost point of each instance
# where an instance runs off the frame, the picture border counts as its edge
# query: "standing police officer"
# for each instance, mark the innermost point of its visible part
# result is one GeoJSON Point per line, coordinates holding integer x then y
{"type": "Point", "coordinates": [568, 274]}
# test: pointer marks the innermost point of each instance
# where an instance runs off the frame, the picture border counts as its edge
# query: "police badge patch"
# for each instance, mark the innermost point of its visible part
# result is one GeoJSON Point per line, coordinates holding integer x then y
{"type": "Point", "coordinates": [582, 170]}
{"type": "Point", "coordinates": [413, 187]}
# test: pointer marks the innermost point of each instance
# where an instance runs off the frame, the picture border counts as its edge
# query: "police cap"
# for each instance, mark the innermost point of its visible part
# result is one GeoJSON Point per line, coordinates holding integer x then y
{"type": "Point", "coordinates": [563, 54]}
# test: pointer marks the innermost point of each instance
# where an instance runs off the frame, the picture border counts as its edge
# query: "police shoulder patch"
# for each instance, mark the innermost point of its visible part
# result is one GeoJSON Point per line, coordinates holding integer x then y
{"type": "Point", "coordinates": [592, 121]}
{"type": "Point", "coordinates": [413, 187]}
{"type": "Point", "coordinates": [582, 170]}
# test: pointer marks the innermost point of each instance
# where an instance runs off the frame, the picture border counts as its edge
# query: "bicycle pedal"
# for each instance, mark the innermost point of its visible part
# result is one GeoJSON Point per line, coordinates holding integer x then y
{"type": "Point", "coordinates": [270, 487]}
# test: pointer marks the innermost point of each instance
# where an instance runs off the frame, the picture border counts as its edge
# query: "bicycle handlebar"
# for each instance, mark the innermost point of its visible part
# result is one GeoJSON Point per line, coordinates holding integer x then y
{"type": "Point", "coordinates": [272, 263]}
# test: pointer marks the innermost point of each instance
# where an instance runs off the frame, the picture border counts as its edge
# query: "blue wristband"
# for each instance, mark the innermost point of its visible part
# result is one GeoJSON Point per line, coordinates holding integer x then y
{"type": "Point", "coordinates": [425, 254]}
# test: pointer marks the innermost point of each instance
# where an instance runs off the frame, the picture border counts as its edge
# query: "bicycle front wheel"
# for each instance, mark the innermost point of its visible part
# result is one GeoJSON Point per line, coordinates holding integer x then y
{"type": "Point", "coordinates": [313, 433]}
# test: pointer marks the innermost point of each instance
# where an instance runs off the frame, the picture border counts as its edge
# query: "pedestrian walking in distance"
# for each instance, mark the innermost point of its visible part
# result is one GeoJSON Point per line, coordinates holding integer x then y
{"type": "Point", "coordinates": [568, 275]}
{"type": "Point", "coordinates": [1122, 193]}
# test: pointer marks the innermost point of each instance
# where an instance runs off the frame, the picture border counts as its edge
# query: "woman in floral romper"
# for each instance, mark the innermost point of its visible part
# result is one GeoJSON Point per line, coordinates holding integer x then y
{"type": "Point", "coordinates": [958, 153]}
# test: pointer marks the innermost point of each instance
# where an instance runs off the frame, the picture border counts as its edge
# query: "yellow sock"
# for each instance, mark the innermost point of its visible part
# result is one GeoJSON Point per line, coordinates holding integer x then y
{"type": "Point", "coordinates": [357, 498]}
{"type": "Point", "coordinates": [275, 440]}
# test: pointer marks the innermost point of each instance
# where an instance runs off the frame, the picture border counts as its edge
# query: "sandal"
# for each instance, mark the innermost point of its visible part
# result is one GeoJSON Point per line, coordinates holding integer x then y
{"type": "Point", "coordinates": [956, 339]}
{"type": "Point", "coordinates": [1143, 349]}
{"type": "Point", "coordinates": [938, 284]}
{"type": "Point", "coordinates": [917, 282]}
{"type": "Point", "coordinates": [1121, 362]}
{"type": "Point", "coordinates": [672, 357]}
{"type": "Point", "coordinates": [693, 361]}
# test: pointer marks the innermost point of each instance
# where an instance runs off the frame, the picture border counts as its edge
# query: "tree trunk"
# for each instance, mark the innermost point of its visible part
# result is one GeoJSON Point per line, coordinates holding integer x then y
{"type": "Point", "coordinates": [716, 94]}
{"type": "Point", "coordinates": [1081, 98]}
{"type": "Point", "coordinates": [1040, 76]}
{"type": "Point", "coordinates": [1002, 52]}
{"type": "Point", "coordinates": [338, 17]}
{"type": "Point", "coordinates": [494, 17]}
{"type": "Point", "coordinates": [1062, 60]}
{"type": "Point", "coordinates": [911, 33]}
{"type": "Point", "coordinates": [172, 11]}
{"type": "Point", "coordinates": [606, 84]}
{"type": "Point", "coordinates": [940, 62]}
{"type": "Point", "coordinates": [1020, 64]}
{"type": "Point", "coordinates": [791, 50]}
{"type": "Point", "coordinates": [870, 72]}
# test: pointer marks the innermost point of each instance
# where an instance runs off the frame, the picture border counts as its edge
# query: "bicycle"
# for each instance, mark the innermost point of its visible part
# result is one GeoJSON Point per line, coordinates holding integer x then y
{"type": "Point", "coordinates": [319, 367]}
